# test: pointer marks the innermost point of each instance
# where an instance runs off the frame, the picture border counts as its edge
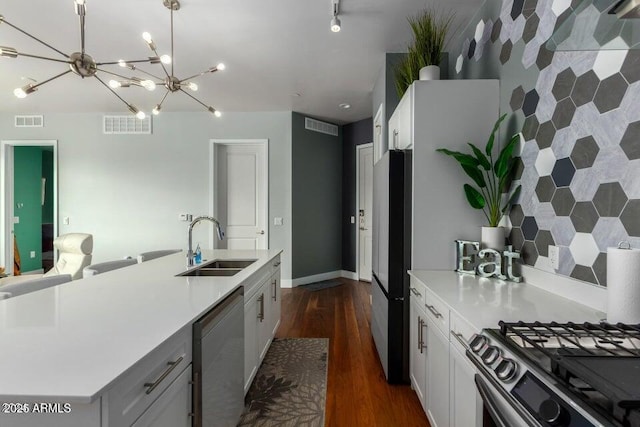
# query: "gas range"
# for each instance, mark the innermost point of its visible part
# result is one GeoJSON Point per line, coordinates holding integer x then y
{"type": "Point", "coordinates": [551, 374]}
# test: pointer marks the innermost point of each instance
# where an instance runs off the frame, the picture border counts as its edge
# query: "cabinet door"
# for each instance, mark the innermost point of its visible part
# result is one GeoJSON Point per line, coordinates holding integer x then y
{"type": "Point", "coordinates": [438, 376]}
{"type": "Point", "coordinates": [394, 129]}
{"type": "Point", "coordinates": [417, 354]}
{"type": "Point", "coordinates": [265, 328]}
{"type": "Point", "coordinates": [466, 404]}
{"type": "Point", "coordinates": [275, 301]}
{"type": "Point", "coordinates": [173, 406]}
{"type": "Point", "coordinates": [250, 340]}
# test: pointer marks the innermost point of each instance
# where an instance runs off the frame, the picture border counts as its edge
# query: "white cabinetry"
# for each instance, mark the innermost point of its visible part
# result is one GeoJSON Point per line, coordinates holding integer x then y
{"type": "Point", "coordinates": [261, 318]}
{"type": "Point", "coordinates": [441, 375]}
{"type": "Point", "coordinates": [401, 124]}
{"type": "Point", "coordinates": [172, 408]}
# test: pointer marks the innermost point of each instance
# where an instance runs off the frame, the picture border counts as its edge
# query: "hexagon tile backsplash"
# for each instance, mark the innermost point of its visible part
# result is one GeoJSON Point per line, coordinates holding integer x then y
{"type": "Point", "coordinates": [580, 120]}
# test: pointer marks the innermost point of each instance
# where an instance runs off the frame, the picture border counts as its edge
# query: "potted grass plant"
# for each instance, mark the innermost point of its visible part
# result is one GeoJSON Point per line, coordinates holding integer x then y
{"type": "Point", "coordinates": [424, 54]}
{"type": "Point", "coordinates": [492, 178]}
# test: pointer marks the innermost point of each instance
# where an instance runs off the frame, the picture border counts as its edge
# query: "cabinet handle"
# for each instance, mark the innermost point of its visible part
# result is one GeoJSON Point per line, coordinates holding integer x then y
{"type": "Point", "coordinates": [395, 138]}
{"type": "Point", "coordinates": [421, 324]}
{"type": "Point", "coordinates": [275, 289]}
{"type": "Point", "coordinates": [172, 365]}
{"type": "Point", "coordinates": [415, 292]}
{"type": "Point", "coordinates": [460, 339]}
{"type": "Point", "coordinates": [433, 310]}
{"type": "Point", "coordinates": [261, 313]}
{"type": "Point", "coordinates": [277, 264]}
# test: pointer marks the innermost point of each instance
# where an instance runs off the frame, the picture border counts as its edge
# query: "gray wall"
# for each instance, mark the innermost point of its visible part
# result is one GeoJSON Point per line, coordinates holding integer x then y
{"type": "Point", "coordinates": [578, 112]}
{"type": "Point", "coordinates": [316, 194]}
{"type": "Point", "coordinates": [127, 190]}
{"type": "Point", "coordinates": [353, 134]}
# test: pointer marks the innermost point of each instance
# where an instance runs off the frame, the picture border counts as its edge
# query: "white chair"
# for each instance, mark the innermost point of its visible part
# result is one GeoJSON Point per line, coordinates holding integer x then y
{"type": "Point", "coordinates": [27, 286]}
{"type": "Point", "coordinates": [148, 256]}
{"type": "Point", "coordinates": [74, 254]}
{"type": "Point", "coordinates": [103, 267]}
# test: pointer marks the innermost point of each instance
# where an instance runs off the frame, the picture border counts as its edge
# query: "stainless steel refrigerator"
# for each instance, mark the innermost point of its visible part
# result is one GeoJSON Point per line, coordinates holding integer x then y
{"type": "Point", "coordinates": [391, 261]}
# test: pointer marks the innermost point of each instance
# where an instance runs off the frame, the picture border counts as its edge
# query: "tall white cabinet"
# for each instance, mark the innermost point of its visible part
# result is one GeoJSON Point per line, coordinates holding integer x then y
{"type": "Point", "coordinates": [430, 115]}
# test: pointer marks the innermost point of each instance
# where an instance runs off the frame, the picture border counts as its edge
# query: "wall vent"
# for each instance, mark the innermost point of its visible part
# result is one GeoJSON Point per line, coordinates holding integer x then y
{"type": "Point", "coordinates": [322, 127]}
{"type": "Point", "coordinates": [29, 121]}
{"type": "Point", "coordinates": [129, 124]}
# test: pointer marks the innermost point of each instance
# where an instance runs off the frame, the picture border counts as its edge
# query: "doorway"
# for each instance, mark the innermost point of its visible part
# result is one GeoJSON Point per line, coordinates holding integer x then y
{"type": "Point", "coordinates": [364, 206]}
{"type": "Point", "coordinates": [239, 173]}
{"type": "Point", "coordinates": [28, 204]}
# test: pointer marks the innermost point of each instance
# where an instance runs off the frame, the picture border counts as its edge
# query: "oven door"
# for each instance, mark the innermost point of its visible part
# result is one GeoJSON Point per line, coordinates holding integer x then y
{"type": "Point", "coordinates": [497, 411]}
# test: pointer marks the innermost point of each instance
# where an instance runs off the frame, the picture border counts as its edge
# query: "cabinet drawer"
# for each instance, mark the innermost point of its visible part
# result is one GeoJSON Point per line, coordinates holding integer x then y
{"type": "Point", "coordinates": [134, 392]}
{"type": "Point", "coordinates": [437, 311]}
{"type": "Point", "coordinates": [418, 291]}
{"type": "Point", "coordinates": [462, 329]}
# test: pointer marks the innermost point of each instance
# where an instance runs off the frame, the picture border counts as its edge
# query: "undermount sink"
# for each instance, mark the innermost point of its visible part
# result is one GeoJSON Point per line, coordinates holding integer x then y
{"type": "Point", "coordinates": [220, 268]}
{"type": "Point", "coordinates": [224, 272]}
{"type": "Point", "coordinates": [229, 263]}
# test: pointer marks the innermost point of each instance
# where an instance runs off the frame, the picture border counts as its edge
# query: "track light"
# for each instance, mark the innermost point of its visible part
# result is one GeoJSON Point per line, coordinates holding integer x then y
{"type": "Point", "coordinates": [335, 21]}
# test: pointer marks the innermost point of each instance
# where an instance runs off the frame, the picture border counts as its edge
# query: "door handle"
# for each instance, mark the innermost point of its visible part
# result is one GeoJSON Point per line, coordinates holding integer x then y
{"type": "Point", "coordinates": [421, 324]}
{"type": "Point", "coordinates": [275, 289]}
{"type": "Point", "coordinates": [260, 232]}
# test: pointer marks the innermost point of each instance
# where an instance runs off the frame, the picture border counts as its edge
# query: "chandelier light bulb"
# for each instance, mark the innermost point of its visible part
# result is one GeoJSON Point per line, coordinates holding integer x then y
{"type": "Point", "coordinates": [141, 115]}
{"type": "Point", "coordinates": [122, 63]}
{"type": "Point", "coordinates": [193, 86]}
{"type": "Point", "coordinates": [165, 59]}
{"type": "Point", "coordinates": [147, 37]}
{"type": "Point", "coordinates": [149, 85]}
{"type": "Point", "coordinates": [335, 24]}
{"type": "Point", "coordinates": [221, 66]}
{"type": "Point", "coordinates": [114, 84]}
{"type": "Point", "coordinates": [217, 113]}
{"type": "Point", "coordinates": [156, 110]}
{"type": "Point", "coordinates": [20, 93]}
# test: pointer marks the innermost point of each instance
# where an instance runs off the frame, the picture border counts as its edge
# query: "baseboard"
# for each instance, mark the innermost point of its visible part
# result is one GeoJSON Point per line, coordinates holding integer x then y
{"type": "Point", "coordinates": [315, 278]}
{"type": "Point", "coordinates": [39, 271]}
{"type": "Point", "coordinates": [349, 275]}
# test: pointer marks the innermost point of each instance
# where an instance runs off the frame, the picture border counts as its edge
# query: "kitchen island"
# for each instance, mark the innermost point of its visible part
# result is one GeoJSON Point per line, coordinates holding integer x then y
{"type": "Point", "coordinates": [73, 346]}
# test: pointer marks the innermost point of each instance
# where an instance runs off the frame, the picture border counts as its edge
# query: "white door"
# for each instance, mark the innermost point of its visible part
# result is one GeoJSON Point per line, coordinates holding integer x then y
{"type": "Point", "coordinates": [241, 195]}
{"type": "Point", "coordinates": [365, 206]}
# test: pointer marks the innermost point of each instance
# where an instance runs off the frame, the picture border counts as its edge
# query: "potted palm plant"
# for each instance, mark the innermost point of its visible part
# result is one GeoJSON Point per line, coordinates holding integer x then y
{"type": "Point", "coordinates": [491, 179]}
{"type": "Point", "coordinates": [424, 55]}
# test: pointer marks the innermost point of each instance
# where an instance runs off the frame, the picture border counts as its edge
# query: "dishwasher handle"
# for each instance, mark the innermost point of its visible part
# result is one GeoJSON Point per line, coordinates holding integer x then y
{"type": "Point", "coordinates": [207, 322]}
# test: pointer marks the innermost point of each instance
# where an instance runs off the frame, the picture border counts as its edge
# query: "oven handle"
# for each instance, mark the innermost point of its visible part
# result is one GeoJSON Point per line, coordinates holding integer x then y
{"type": "Point", "coordinates": [489, 402]}
{"type": "Point", "coordinates": [526, 417]}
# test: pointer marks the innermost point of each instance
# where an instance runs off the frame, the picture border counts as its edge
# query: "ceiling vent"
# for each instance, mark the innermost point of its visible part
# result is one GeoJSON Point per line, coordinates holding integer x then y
{"type": "Point", "coordinates": [126, 125]}
{"type": "Point", "coordinates": [322, 127]}
{"type": "Point", "coordinates": [29, 121]}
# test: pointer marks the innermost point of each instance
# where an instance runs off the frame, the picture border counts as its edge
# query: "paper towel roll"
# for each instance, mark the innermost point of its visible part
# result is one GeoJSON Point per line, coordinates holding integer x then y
{"type": "Point", "coordinates": [623, 285]}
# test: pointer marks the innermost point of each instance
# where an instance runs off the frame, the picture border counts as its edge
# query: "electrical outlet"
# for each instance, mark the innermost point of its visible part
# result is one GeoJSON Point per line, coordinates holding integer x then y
{"type": "Point", "coordinates": [185, 217]}
{"type": "Point", "coordinates": [353, 219]}
{"type": "Point", "coordinates": [554, 256]}
{"type": "Point", "coordinates": [32, 254]}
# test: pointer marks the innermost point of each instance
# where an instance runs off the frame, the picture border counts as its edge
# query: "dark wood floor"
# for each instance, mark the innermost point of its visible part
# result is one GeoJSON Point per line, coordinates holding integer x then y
{"type": "Point", "coordinates": [357, 392]}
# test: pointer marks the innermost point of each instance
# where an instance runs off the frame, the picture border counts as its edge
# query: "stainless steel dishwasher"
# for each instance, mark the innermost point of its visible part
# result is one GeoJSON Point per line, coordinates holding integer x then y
{"type": "Point", "coordinates": [218, 364]}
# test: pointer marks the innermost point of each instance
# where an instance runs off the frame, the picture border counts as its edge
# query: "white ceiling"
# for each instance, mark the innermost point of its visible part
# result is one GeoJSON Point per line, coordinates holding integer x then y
{"type": "Point", "coordinates": [273, 50]}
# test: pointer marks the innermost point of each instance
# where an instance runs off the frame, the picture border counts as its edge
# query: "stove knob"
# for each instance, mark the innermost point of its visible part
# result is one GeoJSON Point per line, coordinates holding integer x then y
{"type": "Point", "coordinates": [490, 355]}
{"type": "Point", "coordinates": [551, 412]}
{"type": "Point", "coordinates": [477, 342]}
{"type": "Point", "coordinates": [506, 370]}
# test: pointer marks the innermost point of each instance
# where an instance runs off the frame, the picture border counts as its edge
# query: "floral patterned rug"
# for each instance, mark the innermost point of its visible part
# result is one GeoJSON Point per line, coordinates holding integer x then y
{"type": "Point", "coordinates": [290, 388]}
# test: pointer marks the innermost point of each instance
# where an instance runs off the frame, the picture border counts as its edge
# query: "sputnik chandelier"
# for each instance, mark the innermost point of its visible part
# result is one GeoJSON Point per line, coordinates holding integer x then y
{"type": "Point", "coordinates": [171, 83]}
{"type": "Point", "coordinates": [80, 63]}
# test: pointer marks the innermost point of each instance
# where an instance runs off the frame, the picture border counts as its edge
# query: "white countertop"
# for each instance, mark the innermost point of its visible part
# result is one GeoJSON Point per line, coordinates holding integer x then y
{"type": "Point", "coordinates": [72, 341]}
{"type": "Point", "coordinates": [484, 302]}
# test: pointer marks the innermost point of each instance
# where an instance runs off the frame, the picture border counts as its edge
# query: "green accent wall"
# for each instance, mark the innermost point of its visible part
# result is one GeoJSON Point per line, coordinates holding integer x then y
{"type": "Point", "coordinates": [28, 205]}
{"type": "Point", "coordinates": [316, 200]}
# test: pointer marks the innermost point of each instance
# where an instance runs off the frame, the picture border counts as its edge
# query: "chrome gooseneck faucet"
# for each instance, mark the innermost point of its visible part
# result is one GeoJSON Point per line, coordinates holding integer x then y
{"type": "Point", "coordinates": [193, 223]}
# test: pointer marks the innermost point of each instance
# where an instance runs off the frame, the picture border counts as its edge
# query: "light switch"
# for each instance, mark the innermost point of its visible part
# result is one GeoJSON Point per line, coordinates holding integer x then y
{"type": "Point", "coordinates": [353, 219]}
{"type": "Point", "coordinates": [185, 217]}
{"type": "Point", "coordinates": [278, 221]}
{"type": "Point", "coordinates": [32, 254]}
{"type": "Point", "coordinates": [65, 221]}
{"type": "Point", "coordinates": [16, 220]}
{"type": "Point", "coordinates": [554, 256]}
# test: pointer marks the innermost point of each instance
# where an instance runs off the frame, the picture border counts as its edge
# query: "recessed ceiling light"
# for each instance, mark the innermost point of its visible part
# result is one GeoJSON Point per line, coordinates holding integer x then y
{"type": "Point", "coordinates": [344, 106]}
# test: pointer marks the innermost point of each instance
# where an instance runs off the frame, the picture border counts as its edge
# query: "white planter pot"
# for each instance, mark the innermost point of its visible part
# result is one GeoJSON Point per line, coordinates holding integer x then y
{"type": "Point", "coordinates": [492, 238]}
{"type": "Point", "coordinates": [430, 72]}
